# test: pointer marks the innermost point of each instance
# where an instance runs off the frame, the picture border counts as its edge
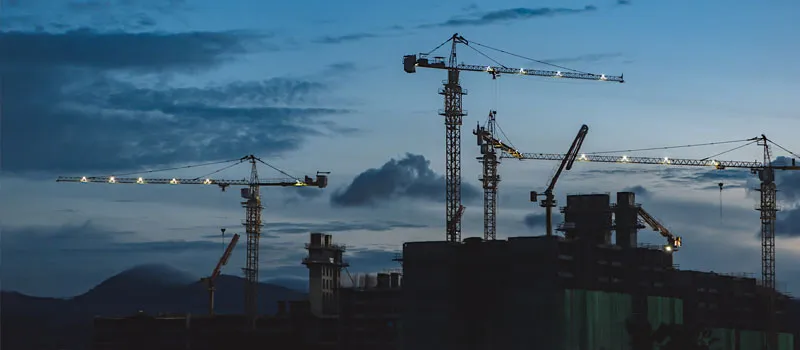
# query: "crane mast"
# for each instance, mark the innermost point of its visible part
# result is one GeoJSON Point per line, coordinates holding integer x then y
{"type": "Point", "coordinates": [453, 117]}
{"type": "Point", "coordinates": [454, 113]}
{"type": "Point", "coordinates": [767, 206]}
{"type": "Point", "coordinates": [252, 224]}
{"type": "Point", "coordinates": [490, 178]}
{"type": "Point", "coordinates": [252, 205]}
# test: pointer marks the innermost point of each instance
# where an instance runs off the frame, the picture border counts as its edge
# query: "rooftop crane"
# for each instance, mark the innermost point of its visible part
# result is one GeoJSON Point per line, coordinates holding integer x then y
{"type": "Point", "coordinates": [673, 242]}
{"type": "Point", "coordinates": [223, 260]}
{"type": "Point", "coordinates": [489, 146]}
{"type": "Point", "coordinates": [252, 205]}
{"type": "Point", "coordinates": [549, 201]}
{"type": "Point", "coordinates": [768, 206]}
{"type": "Point", "coordinates": [454, 113]}
{"type": "Point", "coordinates": [490, 178]}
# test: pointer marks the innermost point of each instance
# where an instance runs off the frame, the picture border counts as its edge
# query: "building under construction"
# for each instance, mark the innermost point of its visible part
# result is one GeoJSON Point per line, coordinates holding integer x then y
{"type": "Point", "coordinates": [575, 292]}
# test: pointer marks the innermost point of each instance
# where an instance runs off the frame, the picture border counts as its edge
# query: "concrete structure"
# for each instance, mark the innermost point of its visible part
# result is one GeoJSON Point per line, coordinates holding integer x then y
{"type": "Point", "coordinates": [292, 328]}
{"type": "Point", "coordinates": [576, 293]}
{"type": "Point", "coordinates": [325, 262]}
{"type": "Point", "coordinates": [369, 315]}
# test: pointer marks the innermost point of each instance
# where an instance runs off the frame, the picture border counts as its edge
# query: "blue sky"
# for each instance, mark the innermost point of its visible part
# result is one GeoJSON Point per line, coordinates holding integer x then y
{"type": "Point", "coordinates": [105, 86]}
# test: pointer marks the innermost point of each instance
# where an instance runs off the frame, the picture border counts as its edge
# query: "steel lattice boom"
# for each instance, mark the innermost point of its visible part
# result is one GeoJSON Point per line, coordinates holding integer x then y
{"type": "Point", "coordinates": [252, 205]}
{"type": "Point", "coordinates": [454, 114]}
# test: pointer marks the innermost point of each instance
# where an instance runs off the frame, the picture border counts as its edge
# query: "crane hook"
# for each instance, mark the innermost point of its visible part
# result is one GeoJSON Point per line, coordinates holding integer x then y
{"type": "Point", "coordinates": [720, 198]}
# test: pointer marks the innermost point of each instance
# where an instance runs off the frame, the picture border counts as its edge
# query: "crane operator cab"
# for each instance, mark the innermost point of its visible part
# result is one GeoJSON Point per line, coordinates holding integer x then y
{"type": "Point", "coordinates": [322, 179]}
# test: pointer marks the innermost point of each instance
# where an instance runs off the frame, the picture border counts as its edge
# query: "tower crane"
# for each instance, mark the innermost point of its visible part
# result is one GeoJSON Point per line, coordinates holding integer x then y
{"type": "Point", "coordinates": [454, 113]}
{"type": "Point", "coordinates": [210, 280]}
{"type": "Point", "coordinates": [489, 150]}
{"type": "Point", "coordinates": [252, 205]}
{"type": "Point", "coordinates": [768, 206]}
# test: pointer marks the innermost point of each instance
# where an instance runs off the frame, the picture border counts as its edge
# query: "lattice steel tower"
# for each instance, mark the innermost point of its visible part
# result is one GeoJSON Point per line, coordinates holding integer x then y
{"type": "Point", "coordinates": [768, 208]}
{"type": "Point", "coordinates": [453, 117]}
{"type": "Point", "coordinates": [252, 225]}
{"type": "Point", "coordinates": [490, 180]}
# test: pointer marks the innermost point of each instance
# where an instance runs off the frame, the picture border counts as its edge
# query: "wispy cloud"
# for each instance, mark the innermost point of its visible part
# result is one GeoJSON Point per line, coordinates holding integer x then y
{"type": "Point", "coordinates": [344, 38]}
{"type": "Point", "coordinates": [512, 14]}
{"type": "Point", "coordinates": [77, 72]}
{"type": "Point", "coordinates": [592, 57]}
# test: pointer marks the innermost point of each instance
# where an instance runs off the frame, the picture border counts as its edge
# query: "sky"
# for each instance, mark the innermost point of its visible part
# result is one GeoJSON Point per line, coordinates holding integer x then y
{"type": "Point", "coordinates": [109, 87]}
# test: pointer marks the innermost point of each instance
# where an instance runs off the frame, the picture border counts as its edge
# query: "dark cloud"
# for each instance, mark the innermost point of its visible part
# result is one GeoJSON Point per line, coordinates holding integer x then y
{"type": "Point", "coordinates": [409, 177]}
{"type": "Point", "coordinates": [68, 260]}
{"type": "Point", "coordinates": [97, 122]}
{"type": "Point", "coordinates": [592, 57]}
{"type": "Point", "coordinates": [539, 220]}
{"type": "Point", "coordinates": [788, 223]}
{"type": "Point", "coordinates": [640, 191]}
{"type": "Point", "coordinates": [623, 2]}
{"type": "Point", "coordinates": [344, 38]}
{"type": "Point", "coordinates": [513, 14]}
{"type": "Point", "coordinates": [336, 226]}
{"type": "Point", "coordinates": [143, 52]}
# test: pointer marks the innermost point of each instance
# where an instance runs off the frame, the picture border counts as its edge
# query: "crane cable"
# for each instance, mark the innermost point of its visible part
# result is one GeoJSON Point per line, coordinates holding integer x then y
{"type": "Point", "coordinates": [672, 147]}
{"type": "Point", "coordinates": [219, 170]}
{"type": "Point", "coordinates": [527, 58]}
{"type": "Point", "coordinates": [783, 148]}
{"type": "Point", "coordinates": [730, 150]}
{"type": "Point", "coordinates": [180, 167]}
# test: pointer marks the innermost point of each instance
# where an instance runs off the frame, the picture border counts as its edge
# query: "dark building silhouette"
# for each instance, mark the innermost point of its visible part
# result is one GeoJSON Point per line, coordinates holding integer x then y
{"type": "Point", "coordinates": [570, 293]}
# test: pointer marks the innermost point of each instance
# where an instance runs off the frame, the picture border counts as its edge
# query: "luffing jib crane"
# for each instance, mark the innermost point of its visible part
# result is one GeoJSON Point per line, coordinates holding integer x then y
{"type": "Point", "coordinates": [454, 113]}
{"type": "Point", "coordinates": [768, 206]}
{"type": "Point", "coordinates": [549, 201]}
{"type": "Point", "coordinates": [252, 205]}
{"type": "Point", "coordinates": [211, 279]}
{"type": "Point", "coordinates": [673, 242]}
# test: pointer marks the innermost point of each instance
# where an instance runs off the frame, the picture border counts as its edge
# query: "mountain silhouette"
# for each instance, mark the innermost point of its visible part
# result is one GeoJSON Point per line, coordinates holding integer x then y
{"type": "Point", "coordinates": [35, 322]}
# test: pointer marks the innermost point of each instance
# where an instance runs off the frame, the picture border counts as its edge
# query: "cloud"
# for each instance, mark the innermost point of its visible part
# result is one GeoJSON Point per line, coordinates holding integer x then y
{"type": "Point", "coordinates": [70, 259]}
{"type": "Point", "coordinates": [592, 57]}
{"type": "Point", "coordinates": [98, 122]}
{"type": "Point", "coordinates": [344, 38]}
{"type": "Point", "coordinates": [409, 177]}
{"type": "Point", "coordinates": [623, 2]}
{"type": "Point", "coordinates": [539, 220]}
{"type": "Point", "coordinates": [513, 14]}
{"type": "Point", "coordinates": [337, 226]}
{"type": "Point", "coordinates": [144, 52]}
{"type": "Point", "coordinates": [640, 191]}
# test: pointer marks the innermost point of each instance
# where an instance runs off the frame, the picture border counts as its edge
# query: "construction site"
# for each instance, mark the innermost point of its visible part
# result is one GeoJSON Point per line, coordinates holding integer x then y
{"type": "Point", "coordinates": [587, 283]}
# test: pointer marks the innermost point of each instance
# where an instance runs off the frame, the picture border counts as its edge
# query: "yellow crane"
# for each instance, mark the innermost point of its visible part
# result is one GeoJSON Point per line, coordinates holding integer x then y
{"type": "Point", "coordinates": [211, 279]}
{"type": "Point", "coordinates": [251, 203]}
